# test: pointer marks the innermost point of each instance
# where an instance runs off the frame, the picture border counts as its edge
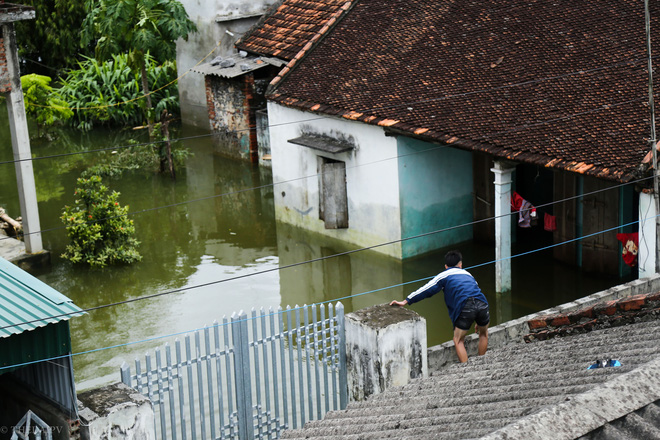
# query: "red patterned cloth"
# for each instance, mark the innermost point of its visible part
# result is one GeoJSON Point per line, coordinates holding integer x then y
{"type": "Point", "coordinates": [630, 243]}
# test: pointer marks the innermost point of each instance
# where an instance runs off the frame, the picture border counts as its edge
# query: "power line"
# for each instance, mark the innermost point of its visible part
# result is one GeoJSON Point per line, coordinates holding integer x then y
{"type": "Point", "coordinates": [324, 302]}
{"type": "Point", "coordinates": [527, 126]}
{"type": "Point", "coordinates": [314, 260]}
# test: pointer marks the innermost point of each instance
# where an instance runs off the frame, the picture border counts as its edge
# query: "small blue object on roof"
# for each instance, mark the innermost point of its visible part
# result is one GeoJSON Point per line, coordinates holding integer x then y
{"type": "Point", "coordinates": [604, 363]}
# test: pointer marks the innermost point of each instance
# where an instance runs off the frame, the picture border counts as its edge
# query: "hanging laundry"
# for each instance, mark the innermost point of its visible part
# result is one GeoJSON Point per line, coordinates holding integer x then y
{"type": "Point", "coordinates": [526, 211]}
{"type": "Point", "coordinates": [516, 202]}
{"type": "Point", "coordinates": [549, 222]}
{"type": "Point", "coordinates": [630, 245]}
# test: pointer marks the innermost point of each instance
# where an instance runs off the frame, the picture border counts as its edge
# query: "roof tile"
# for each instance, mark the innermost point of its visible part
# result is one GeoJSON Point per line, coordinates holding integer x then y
{"type": "Point", "coordinates": [559, 84]}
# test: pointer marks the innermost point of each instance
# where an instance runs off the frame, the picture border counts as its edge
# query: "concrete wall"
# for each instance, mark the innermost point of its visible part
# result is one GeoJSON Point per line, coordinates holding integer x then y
{"type": "Point", "coordinates": [229, 104]}
{"type": "Point", "coordinates": [116, 412]}
{"type": "Point", "coordinates": [213, 18]}
{"type": "Point", "coordinates": [372, 178]}
{"type": "Point", "coordinates": [511, 332]}
{"type": "Point", "coordinates": [436, 187]}
{"type": "Point", "coordinates": [385, 347]}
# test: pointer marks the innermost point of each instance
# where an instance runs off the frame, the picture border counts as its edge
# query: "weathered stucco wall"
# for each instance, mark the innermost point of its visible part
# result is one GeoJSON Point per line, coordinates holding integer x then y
{"type": "Point", "coordinates": [228, 104]}
{"type": "Point", "coordinates": [116, 412]}
{"type": "Point", "coordinates": [371, 178]}
{"type": "Point", "coordinates": [436, 193]}
{"type": "Point", "coordinates": [385, 347]}
{"type": "Point", "coordinates": [213, 20]}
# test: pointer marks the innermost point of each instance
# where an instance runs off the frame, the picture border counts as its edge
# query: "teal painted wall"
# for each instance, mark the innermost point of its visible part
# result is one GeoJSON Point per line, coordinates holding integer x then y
{"type": "Point", "coordinates": [435, 190]}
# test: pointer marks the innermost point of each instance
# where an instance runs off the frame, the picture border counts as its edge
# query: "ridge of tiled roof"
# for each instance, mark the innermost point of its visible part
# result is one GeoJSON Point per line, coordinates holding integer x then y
{"type": "Point", "coordinates": [288, 26]}
{"type": "Point", "coordinates": [561, 84]}
{"type": "Point", "coordinates": [519, 391]}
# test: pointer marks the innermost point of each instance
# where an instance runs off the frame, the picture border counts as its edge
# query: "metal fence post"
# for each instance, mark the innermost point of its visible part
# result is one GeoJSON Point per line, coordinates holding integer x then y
{"type": "Point", "coordinates": [125, 371]}
{"type": "Point", "coordinates": [341, 332]}
{"type": "Point", "coordinates": [239, 333]}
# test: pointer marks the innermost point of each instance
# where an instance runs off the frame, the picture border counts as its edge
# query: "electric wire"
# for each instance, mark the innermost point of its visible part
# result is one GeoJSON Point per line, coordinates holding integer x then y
{"type": "Point", "coordinates": [126, 344]}
{"type": "Point", "coordinates": [314, 260]}
{"type": "Point", "coordinates": [526, 126]}
{"type": "Point", "coordinates": [604, 107]}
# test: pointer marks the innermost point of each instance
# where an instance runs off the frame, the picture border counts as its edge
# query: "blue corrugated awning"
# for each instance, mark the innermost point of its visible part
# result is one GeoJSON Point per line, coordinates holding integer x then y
{"type": "Point", "coordinates": [27, 303]}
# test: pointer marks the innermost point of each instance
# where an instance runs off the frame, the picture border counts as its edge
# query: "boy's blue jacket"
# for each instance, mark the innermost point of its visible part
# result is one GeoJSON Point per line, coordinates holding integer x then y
{"type": "Point", "coordinates": [458, 286]}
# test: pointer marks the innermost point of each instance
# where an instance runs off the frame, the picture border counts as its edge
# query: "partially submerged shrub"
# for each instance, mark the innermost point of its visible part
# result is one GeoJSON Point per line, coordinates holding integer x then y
{"type": "Point", "coordinates": [98, 227]}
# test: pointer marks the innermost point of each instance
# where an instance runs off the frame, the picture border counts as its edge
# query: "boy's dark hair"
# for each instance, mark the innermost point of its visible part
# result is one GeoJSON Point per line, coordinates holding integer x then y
{"type": "Point", "coordinates": [452, 258]}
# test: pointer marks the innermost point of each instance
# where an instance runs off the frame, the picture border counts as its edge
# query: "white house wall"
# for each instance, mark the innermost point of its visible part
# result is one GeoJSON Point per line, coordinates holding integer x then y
{"type": "Point", "coordinates": [213, 19]}
{"type": "Point", "coordinates": [371, 178]}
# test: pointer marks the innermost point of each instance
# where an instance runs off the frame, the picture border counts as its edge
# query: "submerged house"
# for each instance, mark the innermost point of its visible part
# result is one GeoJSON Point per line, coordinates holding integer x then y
{"type": "Point", "coordinates": [34, 326]}
{"type": "Point", "coordinates": [414, 123]}
{"type": "Point", "coordinates": [235, 84]}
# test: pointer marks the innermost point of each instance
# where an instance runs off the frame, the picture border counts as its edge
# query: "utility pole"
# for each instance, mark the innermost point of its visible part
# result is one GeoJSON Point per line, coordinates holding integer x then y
{"type": "Point", "coordinates": [10, 86]}
{"type": "Point", "coordinates": [653, 141]}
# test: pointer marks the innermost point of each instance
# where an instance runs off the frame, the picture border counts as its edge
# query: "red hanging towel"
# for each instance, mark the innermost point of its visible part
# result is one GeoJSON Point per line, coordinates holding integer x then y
{"type": "Point", "coordinates": [549, 222]}
{"type": "Point", "coordinates": [516, 202]}
{"type": "Point", "coordinates": [630, 243]}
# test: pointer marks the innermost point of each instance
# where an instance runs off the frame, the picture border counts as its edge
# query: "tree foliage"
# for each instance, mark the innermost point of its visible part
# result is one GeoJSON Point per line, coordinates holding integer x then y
{"type": "Point", "coordinates": [51, 42]}
{"type": "Point", "coordinates": [137, 27]}
{"type": "Point", "coordinates": [108, 93]}
{"type": "Point", "coordinates": [43, 103]}
{"type": "Point", "coordinates": [98, 227]}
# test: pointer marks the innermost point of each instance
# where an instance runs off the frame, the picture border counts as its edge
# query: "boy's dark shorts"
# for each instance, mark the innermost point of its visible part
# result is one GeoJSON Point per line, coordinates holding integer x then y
{"type": "Point", "coordinates": [473, 311]}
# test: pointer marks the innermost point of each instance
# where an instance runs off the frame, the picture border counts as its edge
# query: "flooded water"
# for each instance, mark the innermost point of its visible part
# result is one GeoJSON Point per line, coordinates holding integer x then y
{"type": "Point", "coordinates": [210, 238]}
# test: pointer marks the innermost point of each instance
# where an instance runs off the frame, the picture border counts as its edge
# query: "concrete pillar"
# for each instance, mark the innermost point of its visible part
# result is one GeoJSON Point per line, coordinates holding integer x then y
{"type": "Point", "coordinates": [503, 176]}
{"type": "Point", "coordinates": [647, 252]}
{"type": "Point", "coordinates": [20, 140]}
{"type": "Point", "coordinates": [385, 347]}
{"type": "Point", "coordinates": [115, 412]}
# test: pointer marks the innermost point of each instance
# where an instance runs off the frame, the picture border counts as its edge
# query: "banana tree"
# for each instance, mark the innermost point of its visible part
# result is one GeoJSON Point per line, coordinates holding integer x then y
{"type": "Point", "coordinates": [137, 27]}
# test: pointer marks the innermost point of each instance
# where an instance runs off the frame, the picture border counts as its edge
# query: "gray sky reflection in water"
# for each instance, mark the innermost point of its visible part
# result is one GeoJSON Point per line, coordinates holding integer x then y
{"type": "Point", "coordinates": [219, 238]}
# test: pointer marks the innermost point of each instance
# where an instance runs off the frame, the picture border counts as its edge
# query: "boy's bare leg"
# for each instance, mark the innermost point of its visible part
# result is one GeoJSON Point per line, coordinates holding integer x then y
{"type": "Point", "coordinates": [459, 344]}
{"type": "Point", "coordinates": [483, 338]}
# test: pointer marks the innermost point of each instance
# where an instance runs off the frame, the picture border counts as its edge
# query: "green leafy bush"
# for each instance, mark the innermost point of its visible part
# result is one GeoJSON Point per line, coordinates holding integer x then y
{"type": "Point", "coordinates": [98, 228]}
{"type": "Point", "coordinates": [109, 93]}
{"type": "Point", "coordinates": [42, 102]}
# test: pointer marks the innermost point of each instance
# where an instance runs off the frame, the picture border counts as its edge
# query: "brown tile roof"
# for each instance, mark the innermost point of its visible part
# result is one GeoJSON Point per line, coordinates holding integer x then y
{"type": "Point", "coordinates": [561, 84]}
{"type": "Point", "coordinates": [288, 26]}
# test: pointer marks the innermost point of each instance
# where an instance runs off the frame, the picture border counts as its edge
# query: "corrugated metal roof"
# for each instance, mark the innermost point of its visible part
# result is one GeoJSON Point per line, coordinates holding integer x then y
{"type": "Point", "coordinates": [27, 303]}
{"type": "Point", "coordinates": [235, 65]}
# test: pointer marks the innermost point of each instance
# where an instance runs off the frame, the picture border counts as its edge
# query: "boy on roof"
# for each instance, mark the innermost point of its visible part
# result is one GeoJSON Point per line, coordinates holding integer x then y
{"type": "Point", "coordinates": [465, 301]}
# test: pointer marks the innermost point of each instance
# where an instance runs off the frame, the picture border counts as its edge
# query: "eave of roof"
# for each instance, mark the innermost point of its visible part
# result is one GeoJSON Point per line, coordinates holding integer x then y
{"type": "Point", "coordinates": [27, 303]}
{"type": "Point", "coordinates": [569, 92]}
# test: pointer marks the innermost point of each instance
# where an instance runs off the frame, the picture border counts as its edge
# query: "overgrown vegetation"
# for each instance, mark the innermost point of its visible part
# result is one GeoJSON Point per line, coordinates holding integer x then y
{"type": "Point", "coordinates": [42, 103]}
{"type": "Point", "coordinates": [108, 93]}
{"type": "Point", "coordinates": [151, 157]}
{"type": "Point", "coordinates": [51, 42]}
{"type": "Point", "coordinates": [138, 28]}
{"type": "Point", "coordinates": [98, 227]}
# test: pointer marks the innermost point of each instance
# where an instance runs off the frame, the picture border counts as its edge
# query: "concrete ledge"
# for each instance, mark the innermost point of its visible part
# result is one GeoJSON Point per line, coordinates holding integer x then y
{"type": "Point", "coordinates": [13, 250]}
{"type": "Point", "coordinates": [513, 331]}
